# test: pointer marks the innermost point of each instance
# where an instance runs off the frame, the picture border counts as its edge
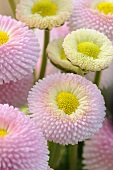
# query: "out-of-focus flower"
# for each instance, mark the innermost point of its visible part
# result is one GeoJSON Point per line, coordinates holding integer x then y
{"type": "Point", "coordinates": [22, 145]}
{"type": "Point", "coordinates": [15, 93]}
{"type": "Point", "coordinates": [67, 107]}
{"type": "Point", "coordinates": [106, 77]}
{"type": "Point", "coordinates": [44, 14]}
{"type": "Point", "coordinates": [88, 49]}
{"type": "Point", "coordinates": [98, 151]}
{"type": "Point", "coordinates": [18, 50]}
{"type": "Point", "coordinates": [93, 14]}
{"type": "Point", "coordinates": [57, 56]}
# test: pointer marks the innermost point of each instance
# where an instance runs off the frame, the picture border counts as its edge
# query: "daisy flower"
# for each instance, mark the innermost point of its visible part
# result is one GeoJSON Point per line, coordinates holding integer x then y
{"type": "Point", "coordinates": [18, 50]}
{"type": "Point", "coordinates": [93, 14]}
{"type": "Point", "coordinates": [22, 145]}
{"type": "Point", "coordinates": [16, 93]}
{"type": "Point", "coordinates": [67, 107]}
{"type": "Point", "coordinates": [88, 49]}
{"type": "Point", "coordinates": [57, 56]}
{"type": "Point", "coordinates": [98, 151]}
{"type": "Point", "coordinates": [44, 14]}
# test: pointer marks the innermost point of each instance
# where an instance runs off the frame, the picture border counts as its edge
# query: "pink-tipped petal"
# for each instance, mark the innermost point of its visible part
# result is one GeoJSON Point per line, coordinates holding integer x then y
{"type": "Point", "coordinates": [85, 15]}
{"type": "Point", "coordinates": [23, 147]}
{"type": "Point", "coordinates": [60, 126]}
{"type": "Point", "coordinates": [98, 151]}
{"type": "Point", "coordinates": [19, 55]}
{"type": "Point", "coordinates": [16, 93]}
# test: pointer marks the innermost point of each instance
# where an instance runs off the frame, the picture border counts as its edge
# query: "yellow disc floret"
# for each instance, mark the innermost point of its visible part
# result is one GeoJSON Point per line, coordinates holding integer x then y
{"type": "Point", "coordinates": [89, 48]}
{"type": "Point", "coordinates": [62, 55]}
{"type": "Point", "coordinates": [67, 102]}
{"type": "Point", "coordinates": [105, 7]}
{"type": "Point", "coordinates": [3, 38]}
{"type": "Point", "coordinates": [3, 132]}
{"type": "Point", "coordinates": [44, 8]}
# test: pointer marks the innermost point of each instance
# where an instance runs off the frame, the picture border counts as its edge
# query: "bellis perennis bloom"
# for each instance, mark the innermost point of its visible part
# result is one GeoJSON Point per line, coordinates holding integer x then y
{"type": "Point", "coordinates": [98, 151]}
{"type": "Point", "coordinates": [67, 107]}
{"type": "Point", "coordinates": [18, 50]}
{"type": "Point", "coordinates": [93, 14]}
{"type": "Point", "coordinates": [15, 93]}
{"type": "Point", "coordinates": [88, 49]}
{"type": "Point", "coordinates": [22, 145]}
{"type": "Point", "coordinates": [57, 56]}
{"type": "Point", "coordinates": [44, 14]}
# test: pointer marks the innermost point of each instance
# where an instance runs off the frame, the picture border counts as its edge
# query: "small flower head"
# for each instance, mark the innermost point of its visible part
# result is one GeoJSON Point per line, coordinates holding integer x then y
{"type": "Point", "coordinates": [67, 107]}
{"type": "Point", "coordinates": [93, 14]}
{"type": "Point", "coordinates": [22, 145]}
{"type": "Point", "coordinates": [15, 93]}
{"type": "Point", "coordinates": [88, 49]}
{"type": "Point", "coordinates": [98, 151]}
{"type": "Point", "coordinates": [18, 50]}
{"type": "Point", "coordinates": [57, 56]}
{"type": "Point", "coordinates": [44, 14]}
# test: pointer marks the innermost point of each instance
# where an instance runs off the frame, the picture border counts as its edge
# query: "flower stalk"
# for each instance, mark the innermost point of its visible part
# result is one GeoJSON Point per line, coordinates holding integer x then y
{"type": "Point", "coordinates": [12, 6]}
{"type": "Point", "coordinates": [97, 78]}
{"type": "Point", "coordinates": [73, 157]}
{"type": "Point", "coordinates": [44, 57]}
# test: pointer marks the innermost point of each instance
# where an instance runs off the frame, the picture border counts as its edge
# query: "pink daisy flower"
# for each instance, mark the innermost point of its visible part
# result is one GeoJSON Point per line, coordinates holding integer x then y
{"type": "Point", "coordinates": [98, 151]}
{"type": "Point", "coordinates": [93, 14]}
{"type": "Point", "coordinates": [18, 50]}
{"type": "Point", "coordinates": [22, 145]}
{"type": "Point", "coordinates": [16, 93]}
{"type": "Point", "coordinates": [67, 107]}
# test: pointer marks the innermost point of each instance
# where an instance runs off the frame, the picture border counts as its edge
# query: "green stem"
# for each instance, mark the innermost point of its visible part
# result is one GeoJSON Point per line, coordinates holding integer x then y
{"type": "Point", "coordinates": [13, 6]}
{"type": "Point", "coordinates": [34, 75]}
{"type": "Point", "coordinates": [97, 78]}
{"type": "Point", "coordinates": [55, 152]}
{"type": "Point", "coordinates": [44, 57]}
{"type": "Point", "coordinates": [73, 157]}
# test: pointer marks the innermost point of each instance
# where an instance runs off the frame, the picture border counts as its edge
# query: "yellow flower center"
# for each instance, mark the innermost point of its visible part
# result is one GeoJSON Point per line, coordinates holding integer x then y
{"type": "Point", "coordinates": [62, 55]}
{"type": "Point", "coordinates": [3, 38]}
{"type": "Point", "coordinates": [44, 8]}
{"type": "Point", "coordinates": [105, 7]}
{"type": "Point", "coordinates": [3, 132]}
{"type": "Point", "coordinates": [67, 102]}
{"type": "Point", "coordinates": [88, 48]}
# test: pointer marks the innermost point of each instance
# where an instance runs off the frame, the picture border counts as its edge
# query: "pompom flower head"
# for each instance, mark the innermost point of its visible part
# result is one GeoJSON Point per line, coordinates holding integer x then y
{"type": "Point", "coordinates": [44, 14]}
{"type": "Point", "coordinates": [98, 151]}
{"type": "Point", "coordinates": [16, 93]}
{"type": "Point", "coordinates": [18, 50]}
{"type": "Point", "coordinates": [67, 107]}
{"type": "Point", "coordinates": [88, 49]}
{"type": "Point", "coordinates": [93, 14]}
{"type": "Point", "coordinates": [22, 145]}
{"type": "Point", "coordinates": [57, 56]}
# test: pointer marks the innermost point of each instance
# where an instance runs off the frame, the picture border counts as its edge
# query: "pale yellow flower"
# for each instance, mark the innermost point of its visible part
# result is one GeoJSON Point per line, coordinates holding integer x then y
{"type": "Point", "coordinates": [44, 14]}
{"type": "Point", "coordinates": [88, 49]}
